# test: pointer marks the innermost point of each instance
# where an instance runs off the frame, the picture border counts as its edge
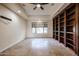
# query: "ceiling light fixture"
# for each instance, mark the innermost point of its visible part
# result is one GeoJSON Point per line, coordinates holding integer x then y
{"type": "Point", "coordinates": [38, 5]}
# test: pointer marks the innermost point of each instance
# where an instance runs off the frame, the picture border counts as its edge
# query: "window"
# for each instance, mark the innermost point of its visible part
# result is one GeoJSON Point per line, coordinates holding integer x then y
{"type": "Point", "coordinates": [39, 27]}
{"type": "Point", "coordinates": [39, 30]}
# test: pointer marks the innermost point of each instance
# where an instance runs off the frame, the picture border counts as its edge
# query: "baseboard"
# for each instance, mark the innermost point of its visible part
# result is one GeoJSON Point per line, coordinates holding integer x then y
{"type": "Point", "coordinates": [11, 45]}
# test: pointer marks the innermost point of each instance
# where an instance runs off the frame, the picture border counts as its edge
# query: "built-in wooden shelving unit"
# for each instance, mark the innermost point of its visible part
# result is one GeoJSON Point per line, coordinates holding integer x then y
{"type": "Point", "coordinates": [65, 27]}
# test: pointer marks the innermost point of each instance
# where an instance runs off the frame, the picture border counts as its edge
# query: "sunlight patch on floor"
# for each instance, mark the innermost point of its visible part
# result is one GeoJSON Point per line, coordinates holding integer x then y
{"type": "Point", "coordinates": [39, 43]}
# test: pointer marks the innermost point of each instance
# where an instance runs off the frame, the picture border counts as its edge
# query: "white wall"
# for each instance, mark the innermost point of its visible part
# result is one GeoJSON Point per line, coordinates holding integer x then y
{"type": "Point", "coordinates": [12, 32]}
{"type": "Point", "coordinates": [37, 18]}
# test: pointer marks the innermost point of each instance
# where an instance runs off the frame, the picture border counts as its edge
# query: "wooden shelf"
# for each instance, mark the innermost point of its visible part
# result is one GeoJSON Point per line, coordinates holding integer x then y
{"type": "Point", "coordinates": [72, 12]}
{"type": "Point", "coordinates": [70, 32]}
{"type": "Point", "coordinates": [61, 36]}
{"type": "Point", "coordinates": [61, 18]}
{"type": "Point", "coordinates": [62, 22]}
{"type": "Point", "coordinates": [70, 44]}
{"type": "Point", "coordinates": [61, 31]}
{"type": "Point", "coordinates": [69, 39]}
{"type": "Point", "coordinates": [71, 18]}
{"type": "Point", "coordinates": [69, 25]}
{"type": "Point", "coordinates": [62, 26]}
{"type": "Point", "coordinates": [56, 31]}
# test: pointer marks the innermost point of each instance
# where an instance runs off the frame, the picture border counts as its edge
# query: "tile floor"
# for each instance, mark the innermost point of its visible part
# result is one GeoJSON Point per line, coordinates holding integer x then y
{"type": "Point", "coordinates": [38, 47]}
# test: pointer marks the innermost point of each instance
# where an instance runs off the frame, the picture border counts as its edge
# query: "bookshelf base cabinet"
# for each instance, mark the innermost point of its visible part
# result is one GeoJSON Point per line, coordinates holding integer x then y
{"type": "Point", "coordinates": [66, 27]}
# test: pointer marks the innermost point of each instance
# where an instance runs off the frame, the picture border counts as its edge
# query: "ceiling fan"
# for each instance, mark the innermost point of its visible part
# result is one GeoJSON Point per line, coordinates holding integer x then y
{"type": "Point", "coordinates": [39, 5]}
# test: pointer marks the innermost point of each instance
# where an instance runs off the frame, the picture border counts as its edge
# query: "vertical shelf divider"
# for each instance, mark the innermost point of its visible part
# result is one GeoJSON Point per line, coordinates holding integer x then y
{"type": "Point", "coordinates": [58, 28]}
{"type": "Point", "coordinates": [65, 28]}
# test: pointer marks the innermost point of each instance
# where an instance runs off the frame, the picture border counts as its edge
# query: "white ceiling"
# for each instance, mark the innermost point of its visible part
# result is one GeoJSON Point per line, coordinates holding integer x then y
{"type": "Point", "coordinates": [48, 9]}
{"type": "Point", "coordinates": [26, 9]}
